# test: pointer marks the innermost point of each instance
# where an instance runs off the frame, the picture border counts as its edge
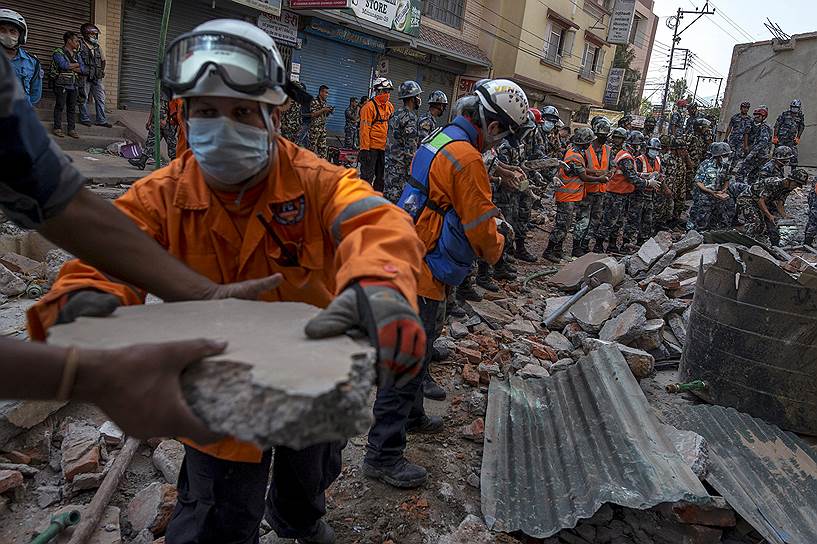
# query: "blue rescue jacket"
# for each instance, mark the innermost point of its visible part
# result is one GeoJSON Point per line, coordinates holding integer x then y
{"type": "Point", "coordinates": [452, 256]}
{"type": "Point", "coordinates": [29, 73]}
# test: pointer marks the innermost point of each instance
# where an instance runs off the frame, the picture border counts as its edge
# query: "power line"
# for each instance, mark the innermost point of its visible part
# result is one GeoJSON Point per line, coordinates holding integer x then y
{"type": "Point", "coordinates": [734, 24]}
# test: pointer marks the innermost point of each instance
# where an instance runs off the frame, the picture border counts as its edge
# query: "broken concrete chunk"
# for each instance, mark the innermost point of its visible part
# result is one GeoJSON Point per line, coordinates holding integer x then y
{"type": "Point", "coordinates": [678, 327]}
{"type": "Point", "coordinates": [652, 250]}
{"type": "Point", "coordinates": [558, 342]}
{"type": "Point", "coordinates": [48, 495]}
{"type": "Point", "coordinates": [472, 530]}
{"type": "Point", "coordinates": [690, 241]}
{"type": "Point", "coordinates": [80, 450]}
{"type": "Point", "coordinates": [457, 330]}
{"type": "Point", "coordinates": [626, 327]}
{"type": "Point", "coordinates": [692, 448]}
{"type": "Point", "coordinates": [562, 364]}
{"type": "Point", "coordinates": [10, 284]}
{"type": "Point", "coordinates": [444, 345]}
{"type": "Point", "coordinates": [521, 326]}
{"type": "Point", "coordinates": [54, 260]}
{"type": "Point", "coordinates": [692, 260]}
{"type": "Point", "coordinates": [686, 288]}
{"type": "Point", "coordinates": [594, 308]}
{"type": "Point", "coordinates": [572, 274]}
{"type": "Point", "coordinates": [662, 263]}
{"type": "Point", "coordinates": [22, 265]}
{"type": "Point", "coordinates": [152, 507]}
{"type": "Point", "coordinates": [10, 479]}
{"type": "Point", "coordinates": [167, 458]}
{"type": "Point", "coordinates": [640, 362]}
{"type": "Point", "coordinates": [112, 434]}
{"type": "Point", "coordinates": [636, 266]}
{"type": "Point", "coordinates": [273, 385]}
{"type": "Point", "coordinates": [533, 371]}
{"type": "Point", "coordinates": [671, 277]}
{"type": "Point", "coordinates": [492, 313]}
{"type": "Point", "coordinates": [475, 430]}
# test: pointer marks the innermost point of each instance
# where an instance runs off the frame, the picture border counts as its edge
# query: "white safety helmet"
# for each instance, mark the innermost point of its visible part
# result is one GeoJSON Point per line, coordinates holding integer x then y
{"type": "Point", "coordinates": [383, 83]}
{"type": "Point", "coordinates": [226, 58]}
{"type": "Point", "coordinates": [14, 18]}
{"type": "Point", "coordinates": [506, 100]}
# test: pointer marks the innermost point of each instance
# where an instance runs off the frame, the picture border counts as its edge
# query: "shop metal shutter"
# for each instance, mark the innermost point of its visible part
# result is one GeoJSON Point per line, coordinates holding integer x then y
{"type": "Point", "coordinates": [346, 70]}
{"type": "Point", "coordinates": [433, 79]}
{"type": "Point", "coordinates": [141, 23]}
{"type": "Point", "coordinates": [401, 70]}
{"type": "Point", "coordinates": [47, 22]}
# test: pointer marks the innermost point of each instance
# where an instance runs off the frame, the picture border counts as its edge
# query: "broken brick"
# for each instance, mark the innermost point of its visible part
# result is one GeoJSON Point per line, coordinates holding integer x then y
{"type": "Point", "coordinates": [17, 457]}
{"type": "Point", "coordinates": [80, 451]}
{"type": "Point", "coordinates": [470, 375]}
{"type": "Point", "coordinates": [716, 513]}
{"type": "Point", "coordinates": [152, 507]}
{"type": "Point", "coordinates": [546, 353]}
{"type": "Point", "coordinates": [475, 430]}
{"type": "Point", "coordinates": [10, 479]}
{"type": "Point", "coordinates": [474, 357]}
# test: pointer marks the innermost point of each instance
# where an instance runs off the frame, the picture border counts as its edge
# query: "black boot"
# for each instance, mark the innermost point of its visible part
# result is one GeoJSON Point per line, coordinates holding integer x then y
{"type": "Point", "coordinates": [425, 425]}
{"type": "Point", "coordinates": [322, 533]}
{"type": "Point", "coordinates": [466, 291]}
{"type": "Point", "coordinates": [402, 474]}
{"type": "Point", "coordinates": [580, 248]}
{"type": "Point", "coordinates": [432, 390]}
{"type": "Point", "coordinates": [598, 245]}
{"type": "Point", "coordinates": [454, 310]}
{"type": "Point", "coordinates": [484, 277]}
{"type": "Point", "coordinates": [522, 253]}
{"type": "Point", "coordinates": [808, 241]}
{"type": "Point", "coordinates": [504, 271]}
{"type": "Point", "coordinates": [553, 254]}
{"type": "Point", "coordinates": [139, 163]}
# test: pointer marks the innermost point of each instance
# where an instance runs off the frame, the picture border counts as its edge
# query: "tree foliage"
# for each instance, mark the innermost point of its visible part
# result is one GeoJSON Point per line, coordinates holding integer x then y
{"type": "Point", "coordinates": [629, 100]}
{"type": "Point", "coordinates": [678, 89]}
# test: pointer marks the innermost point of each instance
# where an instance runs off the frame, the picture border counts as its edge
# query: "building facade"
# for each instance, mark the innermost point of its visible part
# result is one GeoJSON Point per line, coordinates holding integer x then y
{"type": "Point", "coordinates": [642, 39]}
{"type": "Point", "coordinates": [556, 50]}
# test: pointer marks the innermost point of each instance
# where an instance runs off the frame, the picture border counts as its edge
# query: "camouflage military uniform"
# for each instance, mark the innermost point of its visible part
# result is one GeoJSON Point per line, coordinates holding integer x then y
{"type": "Point", "coordinates": [616, 207]}
{"type": "Point", "coordinates": [788, 126]}
{"type": "Point", "coordinates": [760, 140]}
{"type": "Point", "coordinates": [646, 199]}
{"type": "Point", "coordinates": [707, 210]}
{"type": "Point", "coordinates": [689, 126]}
{"type": "Point", "coordinates": [811, 224]}
{"type": "Point", "coordinates": [590, 212]}
{"type": "Point", "coordinates": [739, 126]}
{"type": "Point", "coordinates": [317, 129]}
{"type": "Point", "coordinates": [757, 225]}
{"type": "Point", "coordinates": [291, 122]}
{"type": "Point", "coordinates": [769, 170]}
{"type": "Point", "coordinates": [404, 143]}
{"type": "Point", "coordinates": [167, 129]}
{"type": "Point", "coordinates": [697, 152]}
{"type": "Point", "coordinates": [675, 172]}
{"type": "Point", "coordinates": [676, 123]}
{"type": "Point", "coordinates": [352, 117]}
{"type": "Point", "coordinates": [509, 152]}
{"type": "Point", "coordinates": [426, 126]}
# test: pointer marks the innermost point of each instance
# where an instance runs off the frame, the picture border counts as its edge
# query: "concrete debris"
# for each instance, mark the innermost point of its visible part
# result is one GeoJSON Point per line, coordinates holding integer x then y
{"type": "Point", "coordinates": [640, 362]}
{"type": "Point", "coordinates": [690, 241]}
{"type": "Point", "coordinates": [470, 375]}
{"type": "Point", "coordinates": [571, 276]}
{"type": "Point", "coordinates": [15, 456]}
{"type": "Point", "coordinates": [444, 345]}
{"type": "Point", "coordinates": [626, 327]}
{"type": "Point", "coordinates": [457, 330]}
{"type": "Point", "coordinates": [108, 531]}
{"type": "Point", "coordinates": [492, 313]}
{"type": "Point", "coordinates": [594, 308]}
{"type": "Point", "coordinates": [23, 266]}
{"type": "Point", "coordinates": [670, 278]}
{"type": "Point", "coordinates": [295, 398]}
{"type": "Point", "coordinates": [693, 449]}
{"type": "Point", "coordinates": [54, 261]}
{"type": "Point", "coordinates": [152, 507]}
{"type": "Point", "coordinates": [486, 371]}
{"type": "Point", "coordinates": [562, 364]}
{"type": "Point", "coordinates": [18, 416]}
{"type": "Point", "coordinates": [692, 261]}
{"type": "Point", "coordinates": [112, 434]}
{"type": "Point", "coordinates": [533, 371]}
{"type": "Point", "coordinates": [678, 327]}
{"type": "Point", "coordinates": [475, 430]}
{"type": "Point", "coordinates": [521, 326]}
{"type": "Point", "coordinates": [662, 263]}
{"type": "Point", "coordinates": [652, 337]}
{"type": "Point", "coordinates": [559, 342]}
{"type": "Point", "coordinates": [685, 288]}
{"type": "Point", "coordinates": [80, 450]}
{"type": "Point", "coordinates": [10, 479]}
{"type": "Point", "coordinates": [471, 530]}
{"type": "Point", "coordinates": [25, 470]}
{"type": "Point", "coordinates": [654, 248]}
{"type": "Point", "coordinates": [48, 495]}
{"type": "Point", "coordinates": [10, 284]}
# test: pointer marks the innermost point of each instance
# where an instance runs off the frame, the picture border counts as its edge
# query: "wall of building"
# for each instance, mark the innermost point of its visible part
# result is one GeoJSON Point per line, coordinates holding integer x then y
{"type": "Point", "coordinates": [644, 40]}
{"type": "Point", "coordinates": [470, 30]}
{"type": "Point", "coordinates": [763, 73]}
{"type": "Point", "coordinates": [505, 20]}
{"type": "Point", "coordinates": [108, 17]}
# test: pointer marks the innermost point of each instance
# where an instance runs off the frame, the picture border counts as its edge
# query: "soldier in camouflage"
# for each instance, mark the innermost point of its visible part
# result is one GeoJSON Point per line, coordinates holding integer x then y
{"type": "Point", "coordinates": [676, 164]}
{"type": "Point", "coordinates": [617, 139]}
{"type": "Point", "coordinates": [677, 120]}
{"type": "Point", "coordinates": [710, 192]}
{"type": "Point", "coordinates": [591, 208]}
{"type": "Point", "coordinates": [649, 165]}
{"type": "Point", "coordinates": [404, 140]}
{"type": "Point", "coordinates": [775, 167]}
{"type": "Point", "coordinates": [760, 141]}
{"type": "Point", "coordinates": [696, 146]}
{"type": "Point", "coordinates": [789, 128]}
{"type": "Point", "coordinates": [811, 224]}
{"type": "Point", "coordinates": [759, 202]}
{"type": "Point", "coordinates": [168, 127]}
{"type": "Point", "coordinates": [693, 115]}
{"type": "Point", "coordinates": [437, 103]}
{"type": "Point", "coordinates": [737, 133]}
{"type": "Point", "coordinates": [319, 111]}
{"type": "Point", "coordinates": [352, 118]}
{"type": "Point", "coordinates": [292, 116]}
{"type": "Point", "coordinates": [509, 152]}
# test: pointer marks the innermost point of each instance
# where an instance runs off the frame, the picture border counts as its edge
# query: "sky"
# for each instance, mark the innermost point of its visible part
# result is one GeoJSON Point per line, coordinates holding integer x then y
{"type": "Point", "coordinates": [713, 37]}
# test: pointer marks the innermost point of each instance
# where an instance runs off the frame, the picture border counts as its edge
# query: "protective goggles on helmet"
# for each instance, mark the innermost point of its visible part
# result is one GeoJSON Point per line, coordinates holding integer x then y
{"type": "Point", "coordinates": [242, 65]}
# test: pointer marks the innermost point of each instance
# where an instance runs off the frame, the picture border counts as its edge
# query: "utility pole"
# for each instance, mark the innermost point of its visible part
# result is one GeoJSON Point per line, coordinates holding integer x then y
{"type": "Point", "coordinates": [698, 81]}
{"type": "Point", "coordinates": [674, 23]}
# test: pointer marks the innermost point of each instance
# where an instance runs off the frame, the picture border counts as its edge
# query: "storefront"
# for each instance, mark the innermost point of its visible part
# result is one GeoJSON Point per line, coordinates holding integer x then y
{"type": "Point", "coordinates": [48, 21]}
{"type": "Point", "coordinates": [141, 21]}
{"type": "Point", "coordinates": [340, 58]}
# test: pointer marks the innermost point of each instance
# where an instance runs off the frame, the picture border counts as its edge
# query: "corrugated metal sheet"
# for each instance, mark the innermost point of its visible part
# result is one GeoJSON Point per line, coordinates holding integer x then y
{"type": "Point", "coordinates": [769, 476]}
{"type": "Point", "coordinates": [557, 449]}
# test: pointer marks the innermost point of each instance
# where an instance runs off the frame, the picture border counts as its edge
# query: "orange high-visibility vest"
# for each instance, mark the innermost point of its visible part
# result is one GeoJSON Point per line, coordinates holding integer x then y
{"type": "Point", "coordinates": [619, 184]}
{"type": "Point", "coordinates": [573, 189]}
{"type": "Point", "coordinates": [598, 164]}
{"type": "Point", "coordinates": [648, 169]}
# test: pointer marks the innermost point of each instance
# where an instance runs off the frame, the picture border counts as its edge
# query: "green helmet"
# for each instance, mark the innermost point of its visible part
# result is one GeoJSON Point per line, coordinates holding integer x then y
{"type": "Point", "coordinates": [799, 176]}
{"type": "Point", "coordinates": [583, 136]}
{"type": "Point", "coordinates": [635, 138]}
{"type": "Point", "coordinates": [601, 125]}
{"type": "Point", "coordinates": [619, 132]}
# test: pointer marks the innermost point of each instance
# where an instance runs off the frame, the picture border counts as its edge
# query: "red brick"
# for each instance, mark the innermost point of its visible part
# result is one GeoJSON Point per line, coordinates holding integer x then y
{"type": "Point", "coordinates": [80, 464]}
{"type": "Point", "coordinates": [545, 353]}
{"type": "Point", "coordinates": [475, 430]}
{"type": "Point", "coordinates": [716, 514]}
{"type": "Point", "coordinates": [17, 457]}
{"type": "Point", "coordinates": [470, 375]}
{"type": "Point", "coordinates": [474, 357]}
{"type": "Point", "coordinates": [9, 479]}
{"type": "Point", "coordinates": [152, 507]}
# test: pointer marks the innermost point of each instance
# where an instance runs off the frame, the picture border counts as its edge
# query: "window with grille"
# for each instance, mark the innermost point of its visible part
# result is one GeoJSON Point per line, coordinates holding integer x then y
{"type": "Point", "coordinates": [558, 43]}
{"type": "Point", "coordinates": [448, 12]}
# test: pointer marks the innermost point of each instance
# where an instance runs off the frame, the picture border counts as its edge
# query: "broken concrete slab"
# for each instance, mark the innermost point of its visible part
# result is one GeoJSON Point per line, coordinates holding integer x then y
{"type": "Point", "coordinates": [10, 479]}
{"type": "Point", "coordinates": [640, 362]}
{"type": "Point", "coordinates": [152, 507]}
{"type": "Point", "coordinates": [678, 327]}
{"type": "Point", "coordinates": [457, 330]}
{"type": "Point", "coordinates": [686, 288]}
{"type": "Point", "coordinates": [167, 458]}
{"type": "Point", "coordinates": [20, 264]}
{"type": "Point", "coordinates": [559, 342]}
{"type": "Point", "coordinates": [625, 327]}
{"type": "Point", "coordinates": [654, 248]}
{"type": "Point", "coordinates": [671, 277]}
{"type": "Point", "coordinates": [571, 275]}
{"type": "Point", "coordinates": [521, 326]}
{"type": "Point", "coordinates": [492, 313]}
{"type": "Point", "coordinates": [10, 284]}
{"type": "Point", "coordinates": [594, 308]}
{"type": "Point", "coordinates": [272, 386]}
{"type": "Point", "coordinates": [662, 263]}
{"type": "Point", "coordinates": [80, 451]}
{"type": "Point", "coordinates": [107, 532]}
{"type": "Point", "coordinates": [111, 433]}
{"type": "Point", "coordinates": [690, 241]}
{"type": "Point", "coordinates": [691, 447]}
{"type": "Point", "coordinates": [533, 371]}
{"type": "Point", "coordinates": [691, 261]}
{"type": "Point", "coordinates": [651, 338]}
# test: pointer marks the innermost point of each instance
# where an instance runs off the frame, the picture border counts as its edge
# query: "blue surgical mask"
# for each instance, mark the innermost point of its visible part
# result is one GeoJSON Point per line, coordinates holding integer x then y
{"type": "Point", "coordinates": [548, 126]}
{"type": "Point", "coordinates": [652, 153]}
{"type": "Point", "coordinates": [228, 151]}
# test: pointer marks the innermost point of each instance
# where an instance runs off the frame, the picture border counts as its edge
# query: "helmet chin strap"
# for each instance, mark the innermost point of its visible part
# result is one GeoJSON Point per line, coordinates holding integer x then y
{"type": "Point", "coordinates": [489, 139]}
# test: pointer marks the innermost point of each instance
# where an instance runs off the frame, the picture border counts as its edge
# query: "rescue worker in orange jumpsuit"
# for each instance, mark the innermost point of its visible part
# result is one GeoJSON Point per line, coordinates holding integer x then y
{"type": "Point", "coordinates": [451, 193]}
{"type": "Point", "coordinates": [244, 202]}
{"type": "Point", "coordinates": [374, 132]}
{"type": "Point", "coordinates": [570, 194]}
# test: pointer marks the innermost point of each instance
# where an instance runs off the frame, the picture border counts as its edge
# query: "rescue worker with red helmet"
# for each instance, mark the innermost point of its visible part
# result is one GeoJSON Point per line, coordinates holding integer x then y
{"type": "Point", "coordinates": [760, 144]}
{"type": "Point", "coordinates": [242, 203]}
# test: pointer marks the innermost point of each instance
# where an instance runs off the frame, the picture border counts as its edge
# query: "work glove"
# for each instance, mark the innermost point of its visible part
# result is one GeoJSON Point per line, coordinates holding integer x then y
{"type": "Point", "coordinates": [504, 228]}
{"type": "Point", "coordinates": [392, 325]}
{"type": "Point", "coordinates": [653, 183]}
{"type": "Point", "coordinates": [87, 303]}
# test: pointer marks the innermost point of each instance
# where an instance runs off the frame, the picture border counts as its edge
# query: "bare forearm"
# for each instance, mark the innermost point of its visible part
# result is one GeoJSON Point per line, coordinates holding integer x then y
{"type": "Point", "coordinates": [95, 231]}
{"type": "Point", "coordinates": [30, 371]}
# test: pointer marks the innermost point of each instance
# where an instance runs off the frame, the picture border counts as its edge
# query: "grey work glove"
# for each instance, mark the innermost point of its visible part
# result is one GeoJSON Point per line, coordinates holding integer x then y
{"type": "Point", "coordinates": [387, 318]}
{"type": "Point", "coordinates": [87, 303]}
